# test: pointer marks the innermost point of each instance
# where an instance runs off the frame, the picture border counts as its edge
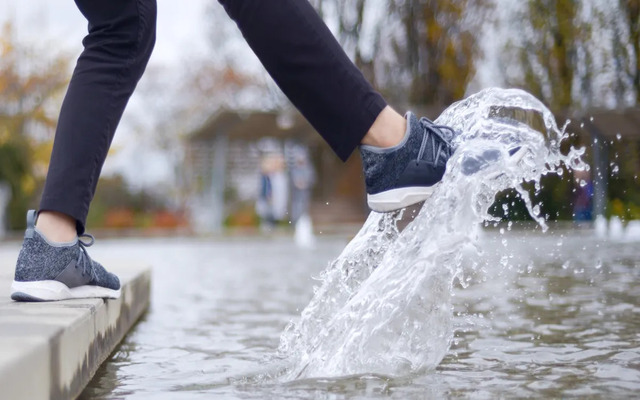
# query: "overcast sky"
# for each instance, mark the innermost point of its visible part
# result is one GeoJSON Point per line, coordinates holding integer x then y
{"type": "Point", "coordinates": [181, 24]}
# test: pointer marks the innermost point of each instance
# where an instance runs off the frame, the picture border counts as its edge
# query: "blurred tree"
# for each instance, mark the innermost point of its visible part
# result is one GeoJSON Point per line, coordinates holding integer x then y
{"type": "Point", "coordinates": [552, 51]}
{"type": "Point", "coordinates": [623, 183]}
{"type": "Point", "coordinates": [441, 47]}
{"type": "Point", "coordinates": [424, 51]}
{"type": "Point", "coordinates": [553, 60]}
{"type": "Point", "coordinates": [351, 18]}
{"type": "Point", "coordinates": [228, 75]}
{"type": "Point", "coordinates": [621, 24]}
{"type": "Point", "coordinates": [28, 84]}
{"type": "Point", "coordinates": [576, 55]}
{"type": "Point", "coordinates": [630, 12]}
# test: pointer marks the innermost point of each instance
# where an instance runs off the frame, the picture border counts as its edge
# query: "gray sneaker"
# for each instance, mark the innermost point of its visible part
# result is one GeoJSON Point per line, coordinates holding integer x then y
{"type": "Point", "coordinates": [57, 271]}
{"type": "Point", "coordinates": [399, 176]}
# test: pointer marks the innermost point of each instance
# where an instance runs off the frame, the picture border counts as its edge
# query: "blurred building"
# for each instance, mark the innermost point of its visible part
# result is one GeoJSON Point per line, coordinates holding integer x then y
{"type": "Point", "coordinates": [222, 168]}
{"type": "Point", "coordinates": [222, 165]}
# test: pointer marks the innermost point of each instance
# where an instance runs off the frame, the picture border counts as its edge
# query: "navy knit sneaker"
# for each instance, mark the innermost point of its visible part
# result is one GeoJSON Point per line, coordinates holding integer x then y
{"type": "Point", "coordinates": [57, 271]}
{"type": "Point", "coordinates": [399, 176]}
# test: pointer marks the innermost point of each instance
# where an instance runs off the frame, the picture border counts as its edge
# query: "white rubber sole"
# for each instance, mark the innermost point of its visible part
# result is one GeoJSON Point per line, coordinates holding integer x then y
{"type": "Point", "coordinates": [54, 290]}
{"type": "Point", "coordinates": [396, 199]}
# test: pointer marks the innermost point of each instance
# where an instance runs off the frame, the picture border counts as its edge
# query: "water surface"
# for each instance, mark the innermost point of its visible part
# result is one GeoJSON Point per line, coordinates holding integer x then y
{"type": "Point", "coordinates": [553, 315]}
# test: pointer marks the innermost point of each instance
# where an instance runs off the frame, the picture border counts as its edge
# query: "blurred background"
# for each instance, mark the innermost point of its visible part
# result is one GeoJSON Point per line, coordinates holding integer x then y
{"type": "Point", "coordinates": [209, 143]}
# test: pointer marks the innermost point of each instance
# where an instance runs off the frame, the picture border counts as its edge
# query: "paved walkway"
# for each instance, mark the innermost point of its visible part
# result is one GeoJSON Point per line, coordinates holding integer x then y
{"type": "Point", "coordinates": [52, 350]}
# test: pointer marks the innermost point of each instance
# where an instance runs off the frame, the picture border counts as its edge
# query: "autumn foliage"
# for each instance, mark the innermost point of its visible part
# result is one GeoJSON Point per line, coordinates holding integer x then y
{"type": "Point", "coordinates": [31, 82]}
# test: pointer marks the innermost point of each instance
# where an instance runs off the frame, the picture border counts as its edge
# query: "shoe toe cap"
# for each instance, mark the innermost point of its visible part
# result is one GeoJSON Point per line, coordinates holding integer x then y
{"type": "Point", "coordinates": [113, 282]}
{"type": "Point", "coordinates": [104, 278]}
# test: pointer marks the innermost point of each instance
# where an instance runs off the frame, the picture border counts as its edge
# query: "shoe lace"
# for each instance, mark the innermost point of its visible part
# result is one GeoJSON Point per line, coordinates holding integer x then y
{"type": "Point", "coordinates": [433, 132]}
{"type": "Point", "coordinates": [83, 257]}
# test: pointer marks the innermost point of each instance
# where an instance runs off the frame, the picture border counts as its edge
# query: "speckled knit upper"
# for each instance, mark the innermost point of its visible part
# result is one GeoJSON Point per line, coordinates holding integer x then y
{"type": "Point", "coordinates": [384, 167]}
{"type": "Point", "coordinates": [40, 260]}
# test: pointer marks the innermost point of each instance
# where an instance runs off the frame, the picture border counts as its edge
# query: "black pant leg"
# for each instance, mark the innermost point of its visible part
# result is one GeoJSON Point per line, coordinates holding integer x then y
{"type": "Point", "coordinates": [116, 51]}
{"type": "Point", "coordinates": [310, 67]}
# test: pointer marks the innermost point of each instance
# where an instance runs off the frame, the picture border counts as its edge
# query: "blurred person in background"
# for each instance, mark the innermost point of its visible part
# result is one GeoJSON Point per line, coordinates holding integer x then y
{"type": "Point", "coordinates": [263, 202]}
{"type": "Point", "coordinates": [582, 196]}
{"type": "Point", "coordinates": [279, 189]}
{"type": "Point", "coordinates": [403, 157]}
{"type": "Point", "coordinates": [302, 179]}
{"type": "Point", "coordinates": [272, 202]}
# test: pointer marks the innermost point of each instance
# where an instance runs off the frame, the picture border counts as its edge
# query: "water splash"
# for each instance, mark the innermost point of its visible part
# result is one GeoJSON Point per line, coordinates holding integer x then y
{"type": "Point", "coordinates": [384, 306]}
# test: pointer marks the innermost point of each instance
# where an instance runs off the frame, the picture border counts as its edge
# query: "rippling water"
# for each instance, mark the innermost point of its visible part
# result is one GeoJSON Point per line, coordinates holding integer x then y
{"type": "Point", "coordinates": [559, 318]}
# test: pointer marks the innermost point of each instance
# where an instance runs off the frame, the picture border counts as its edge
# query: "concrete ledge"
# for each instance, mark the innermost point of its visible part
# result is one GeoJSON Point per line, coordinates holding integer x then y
{"type": "Point", "coordinates": [52, 350]}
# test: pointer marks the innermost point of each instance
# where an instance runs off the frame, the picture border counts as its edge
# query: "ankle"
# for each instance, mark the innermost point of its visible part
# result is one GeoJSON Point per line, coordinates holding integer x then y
{"type": "Point", "coordinates": [388, 129]}
{"type": "Point", "coordinates": [56, 227]}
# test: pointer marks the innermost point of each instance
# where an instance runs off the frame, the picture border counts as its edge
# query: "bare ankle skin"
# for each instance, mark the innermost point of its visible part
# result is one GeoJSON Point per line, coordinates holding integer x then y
{"type": "Point", "coordinates": [387, 130]}
{"type": "Point", "coordinates": [57, 227]}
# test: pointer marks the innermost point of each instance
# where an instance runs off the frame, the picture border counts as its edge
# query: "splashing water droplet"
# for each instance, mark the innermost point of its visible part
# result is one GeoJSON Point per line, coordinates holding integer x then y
{"type": "Point", "coordinates": [536, 210]}
{"type": "Point", "coordinates": [384, 305]}
{"type": "Point", "coordinates": [504, 260]}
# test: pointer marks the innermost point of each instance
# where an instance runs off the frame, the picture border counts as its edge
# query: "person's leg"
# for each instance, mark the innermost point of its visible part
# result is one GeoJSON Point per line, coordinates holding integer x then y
{"type": "Point", "coordinates": [310, 67]}
{"type": "Point", "coordinates": [403, 158]}
{"type": "Point", "coordinates": [116, 50]}
{"type": "Point", "coordinates": [387, 130]}
{"type": "Point", "coordinates": [53, 263]}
